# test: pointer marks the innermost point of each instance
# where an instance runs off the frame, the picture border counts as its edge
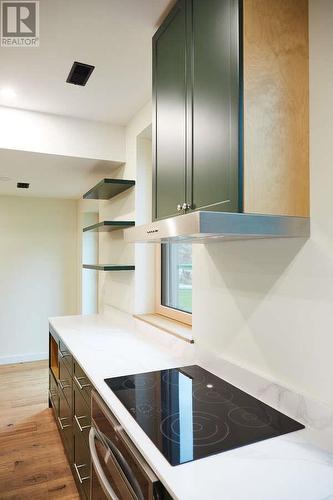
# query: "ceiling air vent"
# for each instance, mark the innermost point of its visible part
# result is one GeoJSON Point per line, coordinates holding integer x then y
{"type": "Point", "coordinates": [23, 185]}
{"type": "Point", "coordinates": [80, 73]}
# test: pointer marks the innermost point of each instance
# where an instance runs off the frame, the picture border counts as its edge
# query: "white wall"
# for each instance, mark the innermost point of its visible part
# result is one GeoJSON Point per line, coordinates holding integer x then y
{"type": "Point", "coordinates": [38, 272]}
{"type": "Point", "coordinates": [268, 305]}
{"type": "Point", "coordinates": [121, 289]}
{"type": "Point", "coordinates": [61, 135]}
{"type": "Point", "coordinates": [90, 251]}
{"type": "Point", "coordinates": [144, 254]}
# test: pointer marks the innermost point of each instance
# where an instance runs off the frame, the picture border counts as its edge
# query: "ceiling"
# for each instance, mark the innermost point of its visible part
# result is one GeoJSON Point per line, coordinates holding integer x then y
{"type": "Point", "coordinates": [49, 175]}
{"type": "Point", "coordinates": [113, 35]}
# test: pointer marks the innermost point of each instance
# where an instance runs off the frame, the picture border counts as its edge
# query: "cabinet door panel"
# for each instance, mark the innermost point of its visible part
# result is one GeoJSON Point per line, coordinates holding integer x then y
{"type": "Point", "coordinates": [82, 420]}
{"type": "Point", "coordinates": [215, 118]}
{"type": "Point", "coordinates": [66, 356]}
{"type": "Point", "coordinates": [66, 425]}
{"type": "Point", "coordinates": [82, 382]}
{"type": "Point", "coordinates": [81, 464]}
{"type": "Point", "coordinates": [65, 381]}
{"type": "Point", "coordinates": [53, 393]}
{"type": "Point", "coordinates": [169, 48]}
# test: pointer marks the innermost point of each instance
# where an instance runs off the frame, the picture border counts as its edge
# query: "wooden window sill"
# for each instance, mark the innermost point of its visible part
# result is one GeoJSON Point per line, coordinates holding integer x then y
{"type": "Point", "coordinates": [179, 330]}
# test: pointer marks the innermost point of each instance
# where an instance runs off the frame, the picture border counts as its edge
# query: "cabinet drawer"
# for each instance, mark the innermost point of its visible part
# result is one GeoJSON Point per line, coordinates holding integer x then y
{"type": "Point", "coordinates": [66, 425]}
{"type": "Point", "coordinates": [65, 381]}
{"type": "Point", "coordinates": [82, 418]}
{"type": "Point", "coordinates": [82, 382]}
{"type": "Point", "coordinates": [53, 393]}
{"type": "Point", "coordinates": [81, 463]}
{"type": "Point", "coordinates": [66, 357]}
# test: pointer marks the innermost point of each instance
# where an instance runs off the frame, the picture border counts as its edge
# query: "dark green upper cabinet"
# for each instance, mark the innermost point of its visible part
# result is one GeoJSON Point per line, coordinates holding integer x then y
{"type": "Point", "coordinates": [196, 115]}
{"type": "Point", "coordinates": [215, 100]}
{"type": "Point", "coordinates": [169, 75]}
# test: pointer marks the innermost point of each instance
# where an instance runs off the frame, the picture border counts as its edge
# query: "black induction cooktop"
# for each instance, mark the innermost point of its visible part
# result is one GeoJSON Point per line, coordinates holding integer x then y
{"type": "Point", "coordinates": [189, 413]}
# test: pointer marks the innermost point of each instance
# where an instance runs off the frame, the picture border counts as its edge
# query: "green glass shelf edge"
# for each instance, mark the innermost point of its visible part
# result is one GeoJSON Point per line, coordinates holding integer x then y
{"type": "Point", "coordinates": [110, 225]}
{"type": "Point", "coordinates": [108, 188]}
{"type": "Point", "coordinates": [108, 267]}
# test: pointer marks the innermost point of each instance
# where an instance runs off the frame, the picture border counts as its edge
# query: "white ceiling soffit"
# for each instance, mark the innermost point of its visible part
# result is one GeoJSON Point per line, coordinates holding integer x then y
{"type": "Point", "coordinates": [113, 35]}
{"type": "Point", "coordinates": [51, 176]}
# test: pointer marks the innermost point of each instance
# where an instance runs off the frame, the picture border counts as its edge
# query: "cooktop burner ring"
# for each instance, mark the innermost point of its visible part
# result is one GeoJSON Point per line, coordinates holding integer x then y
{"type": "Point", "coordinates": [139, 382]}
{"type": "Point", "coordinates": [201, 422]}
{"type": "Point", "coordinates": [250, 417]}
{"type": "Point", "coordinates": [208, 394]}
{"type": "Point", "coordinates": [144, 408]}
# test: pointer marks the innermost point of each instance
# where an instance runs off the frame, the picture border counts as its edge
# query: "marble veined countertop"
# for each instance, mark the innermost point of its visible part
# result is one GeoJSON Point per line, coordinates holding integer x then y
{"type": "Point", "coordinates": [296, 466]}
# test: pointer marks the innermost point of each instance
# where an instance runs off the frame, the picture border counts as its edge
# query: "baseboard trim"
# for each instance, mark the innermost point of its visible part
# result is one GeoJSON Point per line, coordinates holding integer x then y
{"type": "Point", "coordinates": [23, 358]}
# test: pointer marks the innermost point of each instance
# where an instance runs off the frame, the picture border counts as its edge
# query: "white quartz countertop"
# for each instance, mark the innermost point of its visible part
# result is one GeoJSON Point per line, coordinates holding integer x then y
{"type": "Point", "coordinates": [296, 466]}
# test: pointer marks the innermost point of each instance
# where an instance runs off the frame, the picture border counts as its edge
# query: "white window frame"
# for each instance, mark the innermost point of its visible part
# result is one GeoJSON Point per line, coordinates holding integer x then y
{"type": "Point", "coordinates": [169, 312]}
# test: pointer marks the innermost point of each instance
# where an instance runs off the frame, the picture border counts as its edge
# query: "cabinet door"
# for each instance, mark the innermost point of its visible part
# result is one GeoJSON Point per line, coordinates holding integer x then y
{"type": "Point", "coordinates": [82, 419]}
{"type": "Point", "coordinates": [53, 393]}
{"type": "Point", "coordinates": [82, 382]}
{"type": "Point", "coordinates": [81, 464]}
{"type": "Point", "coordinates": [213, 184]}
{"type": "Point", "coordinates": [65, 381]}
{"type": "Point", "coordinates": [66, 425]}
{"type": "Point", "coordinates": [169, 98]}
{"type": "Point", "coordinates": [65, 356]}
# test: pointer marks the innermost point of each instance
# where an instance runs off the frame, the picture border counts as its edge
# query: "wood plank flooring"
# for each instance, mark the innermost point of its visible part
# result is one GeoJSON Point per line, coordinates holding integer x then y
{"type": "Point", "coordinates": [33, 464]}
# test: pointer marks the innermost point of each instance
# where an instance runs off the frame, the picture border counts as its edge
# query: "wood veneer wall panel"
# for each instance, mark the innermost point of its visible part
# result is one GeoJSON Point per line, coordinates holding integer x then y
{"type": "Point", "coordinates": [276, 107]}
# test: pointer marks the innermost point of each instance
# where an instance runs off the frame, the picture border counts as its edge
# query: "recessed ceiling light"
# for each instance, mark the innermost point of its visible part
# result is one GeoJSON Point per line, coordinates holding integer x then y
{"type": "Point", "coordinates": [8, 94]}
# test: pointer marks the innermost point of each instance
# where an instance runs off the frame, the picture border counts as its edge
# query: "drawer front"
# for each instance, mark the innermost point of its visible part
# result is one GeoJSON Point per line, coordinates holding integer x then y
{"type": "Point", "coordinates": [81, 464]}
{"type": "Point", "coordinates": [66, 425]}
{"type": "Point", "coordinates": [54, 393]}
{"type": "Point", "coordinates": [66, 357]}
{"type": "Point", "coordinates": [82, 382]}
{"type": "Point", "coordinates": [65, 381]}
{"type": "Point", "coordinates": [82, 417]}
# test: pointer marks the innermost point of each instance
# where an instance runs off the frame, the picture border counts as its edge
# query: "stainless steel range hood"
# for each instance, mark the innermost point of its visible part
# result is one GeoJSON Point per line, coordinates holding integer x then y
{"type": "Point", "coordinates": [204, 227]}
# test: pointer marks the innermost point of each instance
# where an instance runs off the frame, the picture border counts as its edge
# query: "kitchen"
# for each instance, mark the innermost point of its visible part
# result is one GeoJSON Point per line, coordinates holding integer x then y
{"type": "Point", "coordinates": [166, 246]}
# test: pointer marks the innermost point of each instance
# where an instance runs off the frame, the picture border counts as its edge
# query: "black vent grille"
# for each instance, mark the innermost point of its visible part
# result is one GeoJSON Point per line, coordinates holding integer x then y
{"type": "Point", "coordinates": [80, 73]}
{"type": "Point", "coordinates": [23, 185]}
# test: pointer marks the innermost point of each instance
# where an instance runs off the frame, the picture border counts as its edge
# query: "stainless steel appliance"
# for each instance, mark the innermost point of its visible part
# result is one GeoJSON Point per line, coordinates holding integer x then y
{"type": "Point", "coordinates": [207, 226]}
{"type": "Point", "coordinates": [118, 470]}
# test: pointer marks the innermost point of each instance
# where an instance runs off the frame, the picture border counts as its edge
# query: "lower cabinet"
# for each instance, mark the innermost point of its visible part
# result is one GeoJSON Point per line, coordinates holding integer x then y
{"type": "Point", "coordinates": [71, 400]}
{"type": "Point", "coordinates": [69, 397]}
{"type": "Point", "coordinates": [53, 394]}
{"type": "Point", "coordinates": [82, 414]}
{"type": "Point", "coordinates": [81, 463]}
{"type": "Point", "coordinates": [65, 424]}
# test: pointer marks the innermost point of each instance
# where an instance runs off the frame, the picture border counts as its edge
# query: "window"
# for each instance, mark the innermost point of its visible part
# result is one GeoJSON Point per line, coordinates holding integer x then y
{"type": "Point", "coordinates": [175, 281]}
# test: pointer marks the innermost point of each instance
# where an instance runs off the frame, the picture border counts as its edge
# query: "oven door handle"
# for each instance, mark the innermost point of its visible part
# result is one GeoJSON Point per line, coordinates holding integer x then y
{"type": "Point", "coordinates": [107, 488]}
{"type": "Point", "coordinates": [125, 467]}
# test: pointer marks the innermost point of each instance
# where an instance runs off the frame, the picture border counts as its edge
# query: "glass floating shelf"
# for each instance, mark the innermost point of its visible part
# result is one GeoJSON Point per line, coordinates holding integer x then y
{"type": "Point", "coordinates": [109, 225]}
{"type": "Point", "coordinates": [108, 188]}
{"type": "Point", "coordinates": [108, 267]}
